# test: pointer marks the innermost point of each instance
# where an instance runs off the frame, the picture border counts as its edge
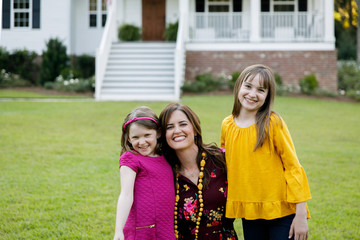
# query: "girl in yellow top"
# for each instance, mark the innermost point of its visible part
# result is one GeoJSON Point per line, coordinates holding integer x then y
{"type": "Point", "coordinates": [267, 186]}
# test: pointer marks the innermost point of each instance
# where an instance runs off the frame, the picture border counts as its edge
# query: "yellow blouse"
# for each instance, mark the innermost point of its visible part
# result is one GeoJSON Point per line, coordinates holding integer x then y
{"type": "Point", "coordinates": [267, 183]}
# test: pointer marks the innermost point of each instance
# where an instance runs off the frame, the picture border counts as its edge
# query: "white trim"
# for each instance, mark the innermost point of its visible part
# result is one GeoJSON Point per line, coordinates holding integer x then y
{"type": "Point", "coordinates": [260, 47]}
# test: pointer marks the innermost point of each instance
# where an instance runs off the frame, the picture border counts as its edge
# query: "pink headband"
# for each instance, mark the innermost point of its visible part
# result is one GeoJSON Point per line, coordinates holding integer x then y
{"type": "Point", "coordinates": [138, 118]}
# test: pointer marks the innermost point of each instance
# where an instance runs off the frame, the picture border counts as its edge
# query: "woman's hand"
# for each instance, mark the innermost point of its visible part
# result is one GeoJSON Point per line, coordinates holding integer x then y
{"type": "Point", "coordinates": [299, 227]}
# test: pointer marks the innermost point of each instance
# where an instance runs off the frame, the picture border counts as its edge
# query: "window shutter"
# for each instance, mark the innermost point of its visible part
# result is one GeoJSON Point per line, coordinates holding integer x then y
{"type": "Point", "coordinates": [200, 5]}
{"type": "Point", "coordinates": [302, 5]}
{"type": "Point", "coordinates": [6, 14]}
{"type": "Point", "coordinates": [36, 14]}
{"type": "Point", "coordinates": [237, 5]}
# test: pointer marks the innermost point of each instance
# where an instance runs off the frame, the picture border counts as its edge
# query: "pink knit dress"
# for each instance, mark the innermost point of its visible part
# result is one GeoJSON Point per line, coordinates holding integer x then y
{"type": "Point", "coordinates": [152, 213]}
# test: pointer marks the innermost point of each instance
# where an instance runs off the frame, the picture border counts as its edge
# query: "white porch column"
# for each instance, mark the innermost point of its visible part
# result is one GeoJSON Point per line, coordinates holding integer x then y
{"type": "Point", "coordinates": [255, 20]}
{"type": "Point", "coordinates": [328, 9]}
{"type": "Point", "coordinates": [183, 17]}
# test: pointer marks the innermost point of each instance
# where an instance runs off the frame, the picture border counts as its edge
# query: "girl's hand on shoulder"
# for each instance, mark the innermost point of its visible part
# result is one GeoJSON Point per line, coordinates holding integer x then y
{"type": "Point", "coordinates": [299, 228]}
{"type": "Point", "coordinates": [119, 236]}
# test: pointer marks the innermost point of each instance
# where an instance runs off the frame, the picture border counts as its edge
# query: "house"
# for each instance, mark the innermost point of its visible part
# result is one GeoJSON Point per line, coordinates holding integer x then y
{"type": "Point", "coordinates": [294, 37]}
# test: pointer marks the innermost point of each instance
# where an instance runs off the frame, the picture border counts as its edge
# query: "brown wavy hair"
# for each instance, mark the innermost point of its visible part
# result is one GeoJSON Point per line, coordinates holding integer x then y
{"type": "Point", "coordinates": [141, 111]}
{"type": "Point", "coordinates": [213, 153]}
{"type": "Point", "coordinates": [267, 80]}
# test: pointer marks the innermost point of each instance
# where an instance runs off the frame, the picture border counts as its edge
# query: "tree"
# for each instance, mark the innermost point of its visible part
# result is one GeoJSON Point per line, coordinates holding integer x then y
{"type": "Point", "coordinates": [55, 59]}
{"type": "Point", "coordinates": [346, 28]}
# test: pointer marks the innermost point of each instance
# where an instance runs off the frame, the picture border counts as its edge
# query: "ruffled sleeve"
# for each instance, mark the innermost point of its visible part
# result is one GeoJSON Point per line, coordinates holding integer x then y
{"type": "Point", "coordinates": [130, 160]}
{"type": "Point", "coordinates": [224, 127]}
{"type": "Point", "coordinates": [296, 181]}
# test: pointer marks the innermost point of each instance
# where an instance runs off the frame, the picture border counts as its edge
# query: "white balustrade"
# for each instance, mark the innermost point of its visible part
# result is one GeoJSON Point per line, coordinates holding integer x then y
{"type": "Point", "coordinates": [274, 27]}
{"type": "Point", "coordinates": [102, 53]}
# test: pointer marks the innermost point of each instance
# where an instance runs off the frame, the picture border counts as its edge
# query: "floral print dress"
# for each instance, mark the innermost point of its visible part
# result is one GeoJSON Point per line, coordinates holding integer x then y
{"type": "Point", "coordinates": [213, 224]}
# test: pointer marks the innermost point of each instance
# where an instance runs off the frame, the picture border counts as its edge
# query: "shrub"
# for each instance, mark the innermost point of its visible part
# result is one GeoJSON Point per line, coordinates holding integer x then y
{"type": "Point", "coordinates": [280, 88]}
{"type": "Point", "coordinates": [68, 73]}
{"type": "Point", "coordinates": [278, 79]}
{"type": "Point", "coordinates": [20, 62]}
{"type": "Point", "coordinates": [8, 79]}
{"type": "Point", "coordinates": [84, 65]}
{"type": "Point", "coordinates": [4, 58]}
{"type": "Point", "coordinates": [54, 60]}
{"type": "Point", "coordinates": [348, 75]}
{"type": "Point", "coordinates": [170, 33]}
{"type": "Point", "coordinates": [233, 79]}
{"type": "Point", "coordinates": [128, 32]}
{"type": "Point", "coordinates": [349, 78]}
{"type": "Point", "coordinates": [202, 83]}
{"type": "Point", "coordinates": [353, 94]}
{"type": "Point", "coordinates": [308, 84]}
{"type": "Point", "coordinates": [72, 84]}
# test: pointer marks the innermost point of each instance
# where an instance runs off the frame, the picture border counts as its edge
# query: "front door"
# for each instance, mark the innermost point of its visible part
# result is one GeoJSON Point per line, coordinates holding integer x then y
{"type": "Point", "coordinates": [153, 20]}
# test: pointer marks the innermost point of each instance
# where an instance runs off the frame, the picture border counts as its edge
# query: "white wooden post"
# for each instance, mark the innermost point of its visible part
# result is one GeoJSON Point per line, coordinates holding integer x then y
{"type": "Point", "coordinates": [328, 9]}
{"type": "Point", "coordinates": [255, 20]}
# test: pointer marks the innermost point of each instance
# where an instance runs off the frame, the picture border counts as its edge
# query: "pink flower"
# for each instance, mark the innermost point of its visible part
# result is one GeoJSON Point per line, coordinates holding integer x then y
{"type": "Point", "coordinates": [189, 206]}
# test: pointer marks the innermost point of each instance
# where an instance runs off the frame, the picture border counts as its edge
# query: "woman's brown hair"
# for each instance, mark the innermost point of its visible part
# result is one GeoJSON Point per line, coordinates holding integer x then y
{"type": "Point", "coordinates": [213, 153]}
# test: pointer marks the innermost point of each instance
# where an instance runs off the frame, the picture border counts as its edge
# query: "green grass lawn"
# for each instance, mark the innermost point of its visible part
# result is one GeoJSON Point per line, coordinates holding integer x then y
{"type": "Point", "coordinates": [59, 176]}
{"type": "Point", "coordinates": [11, 93]}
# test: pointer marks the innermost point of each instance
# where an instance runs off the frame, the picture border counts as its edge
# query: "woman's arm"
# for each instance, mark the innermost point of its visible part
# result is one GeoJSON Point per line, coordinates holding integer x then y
{"type": "Point", "coordinates": [125, 201]}
{"type": "Point", "coordinates": [299, 227]}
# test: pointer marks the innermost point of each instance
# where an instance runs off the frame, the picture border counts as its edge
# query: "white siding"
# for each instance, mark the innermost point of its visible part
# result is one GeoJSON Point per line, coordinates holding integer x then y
{"type": "Point", "coordinates": [54, 22]}
{"type": "Point", "coordinates": [84, 38]}
{"type": "Point", "coordinates": [172, 11]}
{"type": "Point", "coordinates": [132, 12]}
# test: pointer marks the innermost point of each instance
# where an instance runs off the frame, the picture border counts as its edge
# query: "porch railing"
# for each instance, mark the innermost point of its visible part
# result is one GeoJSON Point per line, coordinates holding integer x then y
{"type": "Point", "coordinates": [218, 26]}
{"type": "Point", "coordinates": [294, 26]}
{"type": "Point", "coordinates": [103, 51]}
{"type": "Point", "coordinates": [274, 27]}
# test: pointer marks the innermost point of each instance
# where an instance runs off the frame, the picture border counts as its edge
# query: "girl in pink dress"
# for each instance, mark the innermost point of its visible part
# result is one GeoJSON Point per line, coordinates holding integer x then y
{"type": "Point", "coordinates": [145, 207]}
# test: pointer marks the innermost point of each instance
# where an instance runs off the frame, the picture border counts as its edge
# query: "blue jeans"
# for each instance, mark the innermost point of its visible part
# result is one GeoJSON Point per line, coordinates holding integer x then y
{"type": "Point", "coordinates": [275, 229]}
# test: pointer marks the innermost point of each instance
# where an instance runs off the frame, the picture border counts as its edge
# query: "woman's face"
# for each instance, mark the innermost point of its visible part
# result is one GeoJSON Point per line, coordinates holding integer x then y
{"type": "Point", "coordinates": [179, 132]}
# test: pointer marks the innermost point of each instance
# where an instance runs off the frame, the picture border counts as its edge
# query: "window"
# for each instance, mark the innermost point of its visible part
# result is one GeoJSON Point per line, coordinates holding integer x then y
{"type": "Point", "coordinates": [97, 13]}
{"type": "Point", "coordinates": [219, 6]}
{"type": "Point", "coordinates": [283, 5]}
{"type": "Point", "coordinates": [21, 11]}
{"type": "Point", "coordinates": [20, 14]}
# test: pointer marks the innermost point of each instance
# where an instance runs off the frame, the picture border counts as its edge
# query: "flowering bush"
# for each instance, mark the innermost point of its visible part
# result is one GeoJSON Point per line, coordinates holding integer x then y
{"type": "Point", "coordinates": [72, 84]}
{"type": "Point", "coordinates": [8, 79]}
{"type": "Point", "coordinates": [349, 79]}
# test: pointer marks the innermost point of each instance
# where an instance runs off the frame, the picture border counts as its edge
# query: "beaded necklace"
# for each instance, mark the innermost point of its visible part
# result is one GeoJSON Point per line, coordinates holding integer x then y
{"type": "Point", "coordinates": [200, 187]}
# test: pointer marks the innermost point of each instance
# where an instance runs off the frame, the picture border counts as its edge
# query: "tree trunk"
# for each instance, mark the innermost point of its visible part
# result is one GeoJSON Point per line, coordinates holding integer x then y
{"type": "Point", "coordinates": [358, 31]}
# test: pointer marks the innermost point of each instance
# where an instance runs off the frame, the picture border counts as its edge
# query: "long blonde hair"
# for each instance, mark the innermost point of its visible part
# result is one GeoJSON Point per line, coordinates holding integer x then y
{"type": "Point", "coordinates": [262, 117]}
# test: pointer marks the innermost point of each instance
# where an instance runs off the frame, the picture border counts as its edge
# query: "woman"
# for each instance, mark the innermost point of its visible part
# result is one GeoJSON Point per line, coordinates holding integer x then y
{"type": "Point", "coordinates": [200, 177]}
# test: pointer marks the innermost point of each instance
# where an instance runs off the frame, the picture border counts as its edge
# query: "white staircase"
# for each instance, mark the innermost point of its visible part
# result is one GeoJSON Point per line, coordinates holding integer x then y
{"type": "Point", "coordinates": [140, 71]}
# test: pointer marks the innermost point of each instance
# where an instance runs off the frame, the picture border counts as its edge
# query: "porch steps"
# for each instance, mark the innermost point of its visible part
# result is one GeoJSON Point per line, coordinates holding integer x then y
{"type": "Point", "coordinates": [140, 71]}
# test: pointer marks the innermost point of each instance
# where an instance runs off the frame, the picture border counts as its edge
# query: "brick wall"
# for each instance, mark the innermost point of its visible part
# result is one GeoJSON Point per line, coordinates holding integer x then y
{"type": "Point", "coordinates": [290, 65]}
